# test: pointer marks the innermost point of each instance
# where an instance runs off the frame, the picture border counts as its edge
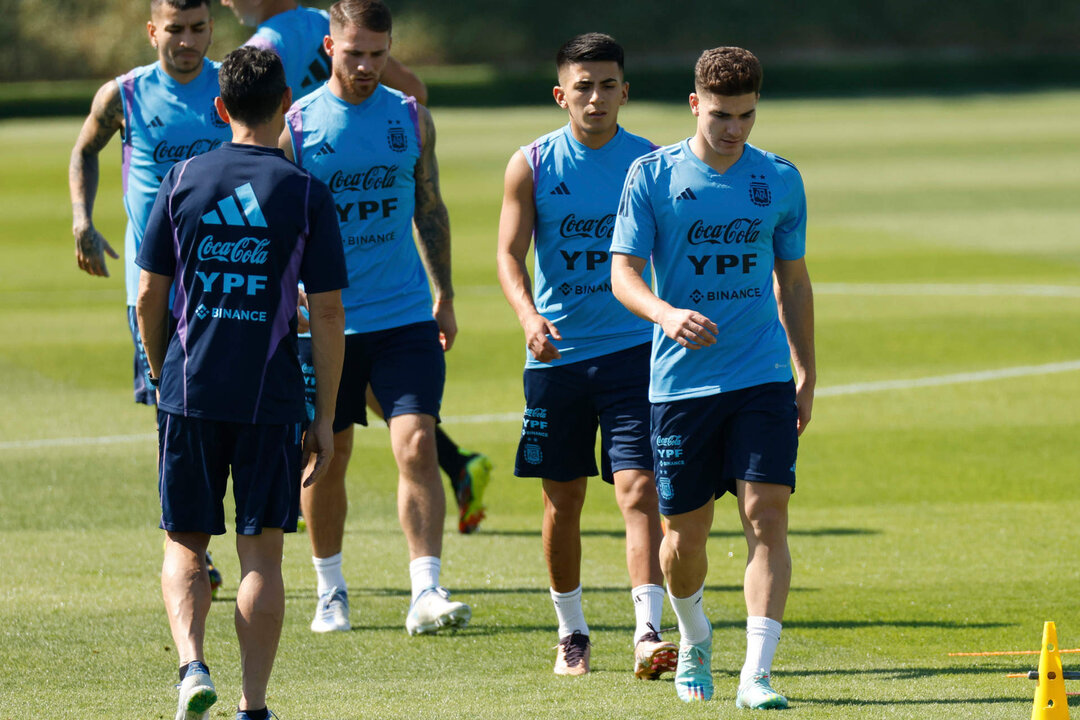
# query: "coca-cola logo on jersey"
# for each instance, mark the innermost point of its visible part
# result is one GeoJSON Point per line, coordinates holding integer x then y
{"type": "Point", "coordinates": [574, 227]}
{"type": "Point", "coordinates": [246, 250]}
{"type": "Point", "coordinates": [739, 231]}
{"type": "Point", "coordinates": [377, 177]}
{"type": "Point", "coordinates": [165, 152]}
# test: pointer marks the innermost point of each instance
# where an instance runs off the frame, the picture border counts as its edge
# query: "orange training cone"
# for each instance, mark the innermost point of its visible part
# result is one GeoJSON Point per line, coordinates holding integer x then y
{"type": "Point", "coordinates": [1051, 703]}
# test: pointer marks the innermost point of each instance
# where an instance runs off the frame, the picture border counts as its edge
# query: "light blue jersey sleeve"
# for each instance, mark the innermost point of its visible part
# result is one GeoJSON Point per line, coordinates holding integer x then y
{"type": "Point", "coordinates": [635, 225]}
{"type": "Point", "coordinates": [789, 238]}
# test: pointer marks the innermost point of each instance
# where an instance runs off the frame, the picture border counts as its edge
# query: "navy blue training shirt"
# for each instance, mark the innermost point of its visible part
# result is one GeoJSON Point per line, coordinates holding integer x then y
{"type": "Point", "coordinates": [237, 228]}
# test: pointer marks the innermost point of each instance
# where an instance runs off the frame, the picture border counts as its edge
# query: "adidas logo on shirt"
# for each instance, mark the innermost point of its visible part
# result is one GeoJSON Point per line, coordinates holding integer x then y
{"type": "Point", "coordinates": [561, 189]}
{"type": "Point", "coordinates": [687, 194]}
{"type": "Point", "coordinates": [246, 212]}
{"type": "Point", "coordinates": [155, 123]}
{"type": "Point", "coordinates": [326, 149]}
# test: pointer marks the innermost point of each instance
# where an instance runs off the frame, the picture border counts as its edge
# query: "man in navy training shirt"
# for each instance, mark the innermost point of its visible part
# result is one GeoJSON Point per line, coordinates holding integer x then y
{"type": "Point", "coordinates": [234, 230]}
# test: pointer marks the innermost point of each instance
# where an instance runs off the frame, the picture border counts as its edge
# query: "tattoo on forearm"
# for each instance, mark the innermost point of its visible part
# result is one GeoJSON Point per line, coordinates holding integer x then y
{"type": "Point", "coordinates": [431, 218]}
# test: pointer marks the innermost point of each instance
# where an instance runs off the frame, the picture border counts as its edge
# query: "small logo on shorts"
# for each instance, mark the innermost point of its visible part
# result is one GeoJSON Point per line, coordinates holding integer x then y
{"type": "Point", "coordinates": [663, 486]}
{"type": "Point", "coordinates": [533, 456]}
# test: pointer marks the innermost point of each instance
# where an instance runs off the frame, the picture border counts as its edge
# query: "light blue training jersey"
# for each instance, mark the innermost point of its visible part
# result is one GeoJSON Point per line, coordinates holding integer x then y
{"type": "Point", "coordinates": [297, 38]}
{"type": "Point", "coordinates": [164, 122]}
{"type": "Point", "coordinates": [367, 155]}
{"type": "Point", "coordinates": [713, 239]}
{"type": "Point", "coordinates": [576, 192]}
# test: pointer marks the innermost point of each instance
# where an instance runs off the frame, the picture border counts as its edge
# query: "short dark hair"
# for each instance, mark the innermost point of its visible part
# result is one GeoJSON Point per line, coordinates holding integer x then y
{"type": "Point", "coordinates": [589, 47]}
{"type": "Point", "coordinates": [370, 15]}
{"type": "Point", "coordinates": [178, 4]}
{"type": "Point", "coordinates": [252, 85]}
{"type": "Point", "coordinates": [728, 71]}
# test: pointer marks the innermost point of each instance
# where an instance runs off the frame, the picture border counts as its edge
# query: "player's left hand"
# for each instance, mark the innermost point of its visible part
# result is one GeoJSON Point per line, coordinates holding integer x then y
{"type": "Point", "coordinates": [444, 316]}
{"type": "Point", "coordinates": [318, 449]}
{"type": "Point", "coordinates": [804, 401]}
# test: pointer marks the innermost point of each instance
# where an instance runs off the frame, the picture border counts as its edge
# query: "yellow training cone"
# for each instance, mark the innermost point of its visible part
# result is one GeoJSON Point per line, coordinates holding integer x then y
{"type": "Point", "coordinates": [1051, 703]}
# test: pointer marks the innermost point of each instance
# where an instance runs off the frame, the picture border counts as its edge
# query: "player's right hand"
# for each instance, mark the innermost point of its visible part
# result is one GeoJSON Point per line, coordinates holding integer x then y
{"type": "Point", "coordinates": [539, 333]}
{"type": "Point", "coordinates": [90, 249]}
{"type": "Point", "coordinates": [689, 328]}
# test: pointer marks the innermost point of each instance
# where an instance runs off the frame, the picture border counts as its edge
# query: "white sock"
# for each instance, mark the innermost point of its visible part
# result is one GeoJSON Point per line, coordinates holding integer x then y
{"type": "Point", "coordinates": [648, 607]}
{"type": "Point", "coordinates": [568, 610]}
{"type": "Point", "coordinates": [762, 636]}
{"type": "Point", "coordinates": [693, 625]}
{"type": "Point", "coordinates": [424, 572]}
{"type": "Point", "coordinates": [328, 572]}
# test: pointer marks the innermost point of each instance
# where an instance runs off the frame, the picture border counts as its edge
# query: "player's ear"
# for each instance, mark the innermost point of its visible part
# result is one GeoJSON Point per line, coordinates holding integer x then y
{"type": "Point", "coordinates": [219, 105]}
{"type": "Point", "coordinates": [625, 93]}
{"type": "Point", "coordinates": [694, 104]}
{"type": "Point", "coordinates": [286, 100]}
{"type": "Point", "coordinates": [151, 32]}
{"type": "Point", "coordinates": [560, 96]}
{"type": "Point", "coordinates": [328, 45]}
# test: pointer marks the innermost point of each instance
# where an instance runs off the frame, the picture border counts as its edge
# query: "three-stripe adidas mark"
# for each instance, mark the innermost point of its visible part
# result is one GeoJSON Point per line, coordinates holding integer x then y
{"type": "Point", "coordinates": [237, 213]}
{"type": "Point", "coordinates": [155, 123]}
{"type": "Point", "coordinates": [326, 149]}
{"type": "Point", "coordinates": [561, 189]}
{"type": "Point", "coordinates": [687, 194]}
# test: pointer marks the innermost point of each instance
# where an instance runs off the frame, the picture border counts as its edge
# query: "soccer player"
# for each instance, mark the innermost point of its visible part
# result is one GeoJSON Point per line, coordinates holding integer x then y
{"type": "Point", "coordinates": [165, 113]}
{"type": "Point", "coordinates": [375, 148]}
{"type": "Point", "coordinates": [296, 34]}
{"type": "Point", "coordinates": [722, 220]}
{"type": "Point", "coordinates": [588, 358]}
{"type": "Point", "coordinates": [234, 229]}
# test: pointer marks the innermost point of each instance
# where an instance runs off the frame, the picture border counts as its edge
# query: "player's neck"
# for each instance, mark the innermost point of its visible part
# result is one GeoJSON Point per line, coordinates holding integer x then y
{"type": "Point", "coordinates": [705, 153]}
{"type": "Point", "coordinates": [593, 141]}
{"type": "Point", "coordinates": [264, 134]}
{"type": "Point", "coordinates": [181, 77]}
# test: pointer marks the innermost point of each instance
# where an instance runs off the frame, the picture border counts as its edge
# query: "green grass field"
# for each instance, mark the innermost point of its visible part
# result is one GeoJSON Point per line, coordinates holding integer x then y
{"type": "Point", "coordinates": [930, 517]}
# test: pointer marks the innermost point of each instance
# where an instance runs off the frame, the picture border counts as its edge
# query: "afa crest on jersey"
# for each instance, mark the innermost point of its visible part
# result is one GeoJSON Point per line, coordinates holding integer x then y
{"type": "Point", "coordinates": [759, 192]}
{"type": "Point", "coordinates": [395, 137]}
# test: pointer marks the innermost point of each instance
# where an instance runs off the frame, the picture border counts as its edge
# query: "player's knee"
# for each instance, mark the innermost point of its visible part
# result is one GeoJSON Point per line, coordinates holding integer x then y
{"type": "Point", "coordinates": [766, 523]}
{"type": "Point", "coordinates": [636, 493]}
{"type": "Point", "coordinates": [564, 498]}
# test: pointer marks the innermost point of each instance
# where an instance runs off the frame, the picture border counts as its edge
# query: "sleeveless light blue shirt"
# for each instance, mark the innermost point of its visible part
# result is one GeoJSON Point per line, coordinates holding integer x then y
{"type": "Point", "coordinates": [713, 238]}
{"type": "Point", "coordinates": [576, 193]}
{"type": "Point", "coordinates": [297, 38]}
{"type": "Point", "coordinates": [164, 122]}
{"type": "Point", "coordinates": [367, 155]}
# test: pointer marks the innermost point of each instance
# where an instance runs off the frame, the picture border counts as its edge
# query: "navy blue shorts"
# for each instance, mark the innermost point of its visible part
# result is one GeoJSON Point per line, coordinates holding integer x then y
{"type": "Point", "coordinates": [195, 457]}
{"type": "Point", "coordinates": [701, 446]}
{"type": "Point", "coordinates": [565, 404]}
{"type": "Point", "coordinates": [143, 393]}
{"type": "Point", "coordinates": [405, 367]}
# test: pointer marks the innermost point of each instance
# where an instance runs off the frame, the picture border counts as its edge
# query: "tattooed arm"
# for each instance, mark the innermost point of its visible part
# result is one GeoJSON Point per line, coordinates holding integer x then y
{"type": "Point", "coordinates": [433, 229]}
{"type": "Point", "coordinates": [105, 118]}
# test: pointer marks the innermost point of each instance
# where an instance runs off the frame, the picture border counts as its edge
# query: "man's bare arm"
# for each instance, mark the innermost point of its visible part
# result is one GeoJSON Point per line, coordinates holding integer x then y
{"type": "Point", "coordinates": [517, 221]}
{"type": "Point", "coordinates": [327, 354]}
{"type": "Point", "coordinates": [152, 309]}
{"type": "Point", "coordinates": [433, 229]}
{"type": "Point", "coordinates": [689, 328]}
{"type": "Point", "coordinates": [105, 119]}
{"type": "Point", "coordinates": [795, 297]}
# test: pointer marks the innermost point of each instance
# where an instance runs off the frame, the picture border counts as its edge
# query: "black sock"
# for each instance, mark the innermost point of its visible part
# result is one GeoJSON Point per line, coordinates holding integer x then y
{"type": "Point", "coordinates": [185, 666]}
{"type": "Point", "coordinates": [451, 460]}
{"type": "Point", "coordinates": [256, 714]}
